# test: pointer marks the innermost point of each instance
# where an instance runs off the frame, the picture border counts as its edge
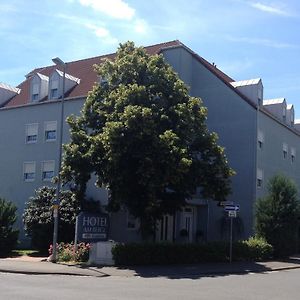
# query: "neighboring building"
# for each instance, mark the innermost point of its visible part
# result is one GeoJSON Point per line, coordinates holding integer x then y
{"type": "Point", "coordinates": [260, 138]}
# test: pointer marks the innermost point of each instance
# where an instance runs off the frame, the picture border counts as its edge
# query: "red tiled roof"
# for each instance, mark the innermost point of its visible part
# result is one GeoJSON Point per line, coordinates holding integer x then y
{"type": "Point", "coordinates": [84, 70]}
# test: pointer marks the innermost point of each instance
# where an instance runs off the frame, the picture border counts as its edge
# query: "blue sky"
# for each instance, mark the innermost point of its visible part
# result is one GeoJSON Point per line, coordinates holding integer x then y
{"type": "Point", "coordinates": [246, 39]}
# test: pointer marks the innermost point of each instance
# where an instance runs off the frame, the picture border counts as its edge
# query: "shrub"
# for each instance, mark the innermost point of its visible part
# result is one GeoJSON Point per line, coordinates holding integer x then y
{"type": "Point", "coordinates": [38, 219]}
{"type": "Point", "coordinates": [253, 249]}
{"type": "Point", "coordinates": [277, 216]}
{"type": "Point", "coordinates": [169, 253]}
{"type": "Point", "coordinates": [8, 235]}
{"type": "Point", "coordinates": [66, 252]}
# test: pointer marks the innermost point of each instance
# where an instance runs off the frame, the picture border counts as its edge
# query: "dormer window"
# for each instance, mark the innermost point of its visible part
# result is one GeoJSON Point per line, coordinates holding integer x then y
{"type": "Point", "coordinates": [38, 87]}
{"type": "Point", "coordinates": [7, 92]}
{"type": "Point", "coordinates": [54, 93]}
{"type": "Point", "coordinates": [259, 96]}
{"type": "Point", "coordinates": [284, 114]}
{"type": "Point", "coordinates": [35, 92]}
{"type": "Point", "coordinates": [56, 83]}
{"type": "Point", "coordinates": [54, 89]}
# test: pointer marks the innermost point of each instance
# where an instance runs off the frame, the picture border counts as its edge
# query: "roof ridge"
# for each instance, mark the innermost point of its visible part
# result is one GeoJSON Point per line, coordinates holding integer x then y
{"type": "Point", "coordinates": [104, 55]}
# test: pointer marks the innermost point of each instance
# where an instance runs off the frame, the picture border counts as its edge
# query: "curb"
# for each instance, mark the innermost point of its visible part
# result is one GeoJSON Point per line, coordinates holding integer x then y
{"type": "Point", "coordinates": [102, 274]}
{"type": "Point", "coordinates": [51, 273]}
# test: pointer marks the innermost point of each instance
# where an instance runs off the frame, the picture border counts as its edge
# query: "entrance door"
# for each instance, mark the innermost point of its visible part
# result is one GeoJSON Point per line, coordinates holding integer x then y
{"type": "Point", "coordinates": [187, 222]}
{"type": "Point", "coordinates": [165, 229]}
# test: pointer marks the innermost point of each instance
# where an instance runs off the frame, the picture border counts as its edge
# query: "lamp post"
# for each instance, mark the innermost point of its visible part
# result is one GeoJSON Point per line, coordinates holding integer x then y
{"type": "Point", "coordinates": [53, 258]}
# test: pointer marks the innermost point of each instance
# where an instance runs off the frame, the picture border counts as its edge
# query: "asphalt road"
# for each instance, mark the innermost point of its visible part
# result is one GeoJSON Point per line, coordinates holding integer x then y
{"type": "Point", "coordinates": [283, 285]}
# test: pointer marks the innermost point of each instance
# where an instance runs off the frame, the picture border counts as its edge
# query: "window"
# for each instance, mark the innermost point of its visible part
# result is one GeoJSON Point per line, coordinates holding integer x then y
{"type": "Point", "coordinates": [293, 154]}
{"type": "Point", "coordinates": [35, 92]}
{"type": "Point", "coordinates": [259, 176]}
{"type": "Point", "coordinates": [132, 222]}
{"type": "Point", "coordinates": [260, 139]}
{"type": "Point", "coordinates": [50, 131]}
{"type": "Point", "coordinates": [54, 93]}
{"type": "Point", "coordinates": [47, 170]}
{"type": "Point", "coordinates": [31, 133]}
{"type": "Point", "coordinates": [29, 171]}
{"type": "Point", "coordinates": [284, 150]}
{"type": "Point", "coordinates": [284, 114]}
{"type": "Point", "coordinates": [260, 96]}
{"type": "Point", "coordinates": [54, 89]}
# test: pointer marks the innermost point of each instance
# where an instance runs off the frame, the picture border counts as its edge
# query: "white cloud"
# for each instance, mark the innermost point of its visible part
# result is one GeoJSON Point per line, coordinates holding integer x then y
{"type": "Point", "coordinates": [141, 26]}
{"type": "Point", "coordinates": [102, 32]}
{"type": "Point", "coordinates": [117, 9]}
{"type": "Point", "coordinates": [261, 42]}
{"type": "Point", "coordinates": [269, 9]}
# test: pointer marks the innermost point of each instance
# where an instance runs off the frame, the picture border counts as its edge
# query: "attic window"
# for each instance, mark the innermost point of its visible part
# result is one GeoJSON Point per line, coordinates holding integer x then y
{"type": "Point", "coordinates": [35, 92]}
{"type": "Point", "coordinates": [54, 89]}
{"type": "Point", "coordinates": [284, 114]}
{"type": "Point", "coordinates": [260, 96]}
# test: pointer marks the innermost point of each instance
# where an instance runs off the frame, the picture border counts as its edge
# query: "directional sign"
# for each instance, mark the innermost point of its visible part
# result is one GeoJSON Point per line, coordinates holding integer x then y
{"type": "Point", "coordinates": [232, 213]}
{"type": "Point", "coordinates": [233, 207]}
{"type": "Point", "coordinates": [224, 203]}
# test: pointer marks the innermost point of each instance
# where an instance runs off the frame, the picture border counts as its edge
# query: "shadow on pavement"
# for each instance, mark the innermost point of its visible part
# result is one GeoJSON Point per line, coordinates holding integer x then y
{"type": "Point", "coordinates": [198, 271]}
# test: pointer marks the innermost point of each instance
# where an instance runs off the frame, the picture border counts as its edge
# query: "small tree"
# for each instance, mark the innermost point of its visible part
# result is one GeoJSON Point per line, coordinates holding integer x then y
{"type": "Point", "coordinates": [38, 217]}
{"type": "Point", "coordinates": [277, 215]}
{"type": "Point", "coordinates": [8, 235]}
{"type": "Point", "coordinates": [146, 139]}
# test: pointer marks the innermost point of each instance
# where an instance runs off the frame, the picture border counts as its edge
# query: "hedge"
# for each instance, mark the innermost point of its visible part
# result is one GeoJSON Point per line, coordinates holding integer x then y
{"type": "Point", "coordinates": [171, 253]}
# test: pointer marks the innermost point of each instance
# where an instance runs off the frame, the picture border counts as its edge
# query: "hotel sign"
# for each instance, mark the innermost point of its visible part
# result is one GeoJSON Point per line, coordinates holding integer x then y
{"type": "Point", "coordinates": [92, 227]}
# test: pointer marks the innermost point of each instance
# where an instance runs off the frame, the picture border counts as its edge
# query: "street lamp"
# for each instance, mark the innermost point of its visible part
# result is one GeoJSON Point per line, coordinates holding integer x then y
{"type": "Point", "coordinates": [53, 258]}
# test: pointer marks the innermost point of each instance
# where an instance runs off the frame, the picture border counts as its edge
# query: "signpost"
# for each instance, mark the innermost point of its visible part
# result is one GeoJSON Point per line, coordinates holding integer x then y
{"type": "Point", "coordinates": [232, 210]}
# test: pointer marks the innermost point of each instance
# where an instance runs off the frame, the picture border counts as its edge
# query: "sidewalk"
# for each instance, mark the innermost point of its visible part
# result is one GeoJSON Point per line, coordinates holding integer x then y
{"type": "Point", "coordinates": [38, 265]}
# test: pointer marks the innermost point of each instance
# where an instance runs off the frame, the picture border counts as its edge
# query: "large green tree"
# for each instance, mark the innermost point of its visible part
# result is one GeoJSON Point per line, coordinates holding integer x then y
{"type": "Point", "coordinates": [145, 139]}
{"type": "Point", "coordinates": [277, 215]}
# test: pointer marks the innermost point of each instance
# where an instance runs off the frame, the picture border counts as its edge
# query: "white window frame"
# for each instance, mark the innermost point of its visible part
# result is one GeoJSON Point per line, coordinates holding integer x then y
{"type": "Point", "coordinates": [43, 171]}
{"type": "Point", "coordinates": [293, 154]}
{"type": "Point", "coordinates": [259, 178]}
{"type": "Point", "coordinates": [285, 149]}
{"type": "Point", "coordinates": [33, 166]}
{"type": "Point", "coordinates": [50, 126]}
{"type": "Point", "coordinates": [54, 93]}
{"type": "Point", "coordinates": [35, 92]}
{"type": "Point", "coordinates": [130, 219]}
{"type": "Point", "coordinates": [260, 139]}
{"type": "Point", "coordinates": [29, 129]}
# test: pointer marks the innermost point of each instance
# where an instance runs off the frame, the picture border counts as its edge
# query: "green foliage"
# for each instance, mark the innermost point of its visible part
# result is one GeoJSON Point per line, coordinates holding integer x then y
{"type": "Point", "coordinates": [277, 216]}
{"type": "Point", "coordinates": [253, 249]}
{"type": "Point", "coordinates": [38, 217]}
{"type": "Point", "coordinates": [145, 139]}
{"type": "Point", "coordinates": [66, 252]}
{"type": "Point", "coordinates": [170, 253]}
{"type": "Point", "coordinates": [8, 235]}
